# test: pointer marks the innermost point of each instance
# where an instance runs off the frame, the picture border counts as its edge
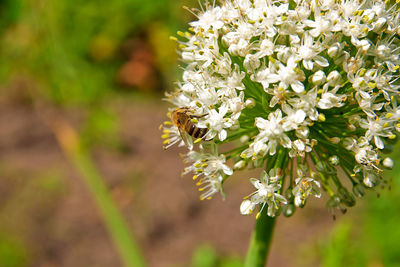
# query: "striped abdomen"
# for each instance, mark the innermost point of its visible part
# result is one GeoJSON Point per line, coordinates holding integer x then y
{"type": "Point", "coordinates": [193, 130]}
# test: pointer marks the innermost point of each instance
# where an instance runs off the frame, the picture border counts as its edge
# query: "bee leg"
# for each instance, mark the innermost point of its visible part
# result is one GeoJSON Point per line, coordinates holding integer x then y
{"type": "Point", "coordinates": [195, 116]}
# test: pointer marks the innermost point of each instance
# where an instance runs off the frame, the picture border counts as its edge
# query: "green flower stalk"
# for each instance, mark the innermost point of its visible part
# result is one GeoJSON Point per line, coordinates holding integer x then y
{"type": "Point", "coordinates": [305, 90]}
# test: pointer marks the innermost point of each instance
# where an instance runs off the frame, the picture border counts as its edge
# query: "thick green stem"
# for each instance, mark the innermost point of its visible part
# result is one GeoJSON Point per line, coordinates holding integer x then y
{"type": "Point", "coordinates": [260, 241]}
{"type": "Point", "coordinates": [262, 235]}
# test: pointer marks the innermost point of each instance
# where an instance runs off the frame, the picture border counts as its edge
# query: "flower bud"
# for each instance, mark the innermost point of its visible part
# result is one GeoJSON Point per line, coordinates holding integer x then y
{"type": "Point", "coordinates": [346, 197]}
{"type": "Point", "coordinates": [247, 207]}
{"type": "Point", "coordinates": [358, 190]}
{"type": "Point", "coordinates": [288, 210]}
{"type": "Point", "coordinates": [318, 78]}
{"type": "Point", "coordinates": [334, 78]}
{"type": "Point", "coordinates": [251, 62]}
{"type": "Point", "coordinates": [321, 167]}
{"type": "Point", "coordinates": [370, 179]}
{"type": "Point", "coordinates": [239, 165]}
{"type": "Point", "coordinates": [244, 138]}
{"type": "Point", "coordinates": [334, 50]}
{"type": "Point", "coordinates": [334, 160]}
{"type": "Point", "coordinates": [333, 202]}
{"type": "Point", "coordinates": [250, 103]}
{"type": "Point", "coordinates": [388, 163]}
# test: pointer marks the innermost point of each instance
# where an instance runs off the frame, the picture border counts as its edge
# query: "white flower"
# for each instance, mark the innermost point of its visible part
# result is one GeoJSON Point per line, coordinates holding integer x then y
{"type": "Point", "coordinates": [376, 129]}
{"type": "Point", "coordinates": [217, 122]}
{"type": "Point", "coordinates": [266, 194]}
{"type": "Point", "coordinates": [287, 76]}
{"type": "Point", "coordinates": [273, 83]}
{"type": "Point", "coordinates": [305, 186]}
{"type": "Point", "coordinates": [309, 54]}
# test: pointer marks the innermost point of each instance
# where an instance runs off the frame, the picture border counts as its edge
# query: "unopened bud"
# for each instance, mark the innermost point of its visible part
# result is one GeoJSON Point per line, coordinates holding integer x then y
{"type": "Point", "coordinates": [346, 197]}
{"type": "Point", "coordinates": [358, 190]}
{"type": "Point", "coordinates": [334, 50]}
{"type": "Point", "coordinates": [333, 201]}
{"type": "Point", "coordinates": [388, 163]}
{"type": "Point", "coordinates": [288, 210]}
{"type": "Point", "coordinates": [334, 78]}
{"type": "Point", "coordinates": [318, 78]}
{"type": "Point", "coordinates": [334, 160]}
{"type": "Point", "coordinates": [250, 103]}
{"type": "Point", "coordinates": [335, 140]}
{"type": "Point", "coordinates": [321, 167]}
{"type": "Point", "coordinates": [239, 165]}
{"type": "Point", "coordinates": [244, 138]}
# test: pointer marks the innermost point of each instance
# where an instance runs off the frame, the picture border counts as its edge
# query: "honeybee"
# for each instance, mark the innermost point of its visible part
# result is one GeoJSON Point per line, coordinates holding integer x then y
{"type": "Point", "coordinates": [182, 119]}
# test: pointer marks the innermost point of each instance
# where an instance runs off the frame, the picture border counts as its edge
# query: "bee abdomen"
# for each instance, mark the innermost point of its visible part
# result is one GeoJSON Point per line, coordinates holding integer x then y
{"type": "Point", "coordinates": [199, 132]}
{"type": "Point", "coordinates": [193, 130]}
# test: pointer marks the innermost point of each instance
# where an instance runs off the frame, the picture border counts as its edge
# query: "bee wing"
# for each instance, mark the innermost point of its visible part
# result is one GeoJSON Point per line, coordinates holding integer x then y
{"type": "Point", "coordinates": [186, 139]}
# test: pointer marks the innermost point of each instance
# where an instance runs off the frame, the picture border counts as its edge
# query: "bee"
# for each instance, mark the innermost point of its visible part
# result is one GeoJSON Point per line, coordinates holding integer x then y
{"type": "Point", "coordinates": [182, 119]}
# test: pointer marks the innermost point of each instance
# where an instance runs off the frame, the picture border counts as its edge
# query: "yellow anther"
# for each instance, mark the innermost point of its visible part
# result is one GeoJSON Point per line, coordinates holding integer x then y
{"type": "Point", "coordinates": [321, 117]}
{"type": "Point", "coordinates": [197, 140]}
{"type": "Point", "coordinates": [386, 124]}
{"type": "Point", "coordinates": [167, 123]}
{"type": "Point", "coordinates": [198, 183]}
{"type": "Point", "coordinates": [166, 142]}
{"type": "Point", "coordinates": [251, 21]}
{"type": "Point", "coordinates": [201, 189]}
{"type": "Point", "coordinates": [392, 136]}
{"type": "Point", "coordinates": [372, 85]}
{"type": "Point", "coordinates": [389, 115]}
{"type": "Point", "coordinates": [195, 120]}
{"type": "Point", "coordinates": [198, 104]}
{"type": "Point", "coordinates": [209, 198]}
{"type": "Point", "coordinates": [320, 91]}
{"type": "Point", "coordinates": [194, 177]}
{"type": "Point", "coordinates": [258, 215]}
{"type": "Point", "coordinates": [204, 165]}
{"type": "Point", "coordinates": [197, 165]}
{"type": "Point", "coordinates": [181, 46]}
{"type": "Point", "coordinates": [196, 43]}
{"type": "Point", "coordinates": [243, 156]}
{"type": "Point", "coordinates": [164, 136]}
{"type": "Point", "coordinates": [173, 38]}
{"type": "Point", "coordinates": [180, 33]}
{"type": "Point", "coordinates": [283, 18]}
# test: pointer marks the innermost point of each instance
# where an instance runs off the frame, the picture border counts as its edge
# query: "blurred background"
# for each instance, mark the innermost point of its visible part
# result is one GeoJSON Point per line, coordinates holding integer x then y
{"type": "Point", "coordinates": [83, 177]}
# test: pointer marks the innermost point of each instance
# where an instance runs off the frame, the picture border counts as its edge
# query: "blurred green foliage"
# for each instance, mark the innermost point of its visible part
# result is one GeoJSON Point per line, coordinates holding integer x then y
{"type": "Point", "coordinates": [206, 256]}
{"type": "Point", "coordinates": [366, 237]}
{"type": "Point", "coordinates": [70, 49]}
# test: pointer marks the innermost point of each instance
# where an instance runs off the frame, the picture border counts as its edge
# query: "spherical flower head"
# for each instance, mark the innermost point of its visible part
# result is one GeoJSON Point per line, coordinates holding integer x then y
{"type": "Point", "coordinates": [305, 90]}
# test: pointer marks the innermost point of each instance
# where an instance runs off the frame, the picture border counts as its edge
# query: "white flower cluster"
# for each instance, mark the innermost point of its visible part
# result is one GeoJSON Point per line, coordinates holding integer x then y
{"type": "Point", "coordinates": [309, 87]}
